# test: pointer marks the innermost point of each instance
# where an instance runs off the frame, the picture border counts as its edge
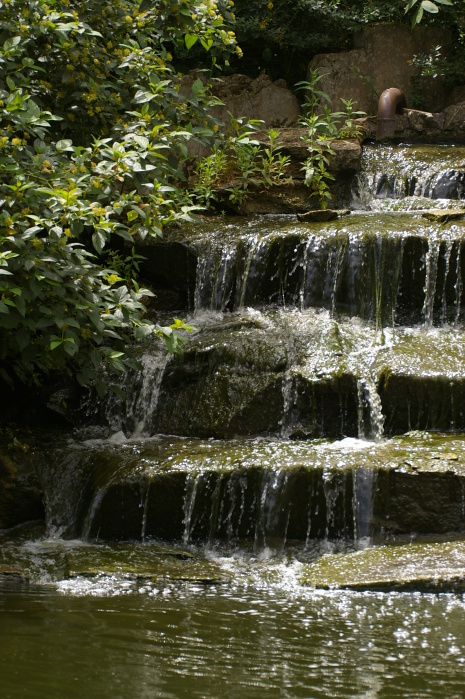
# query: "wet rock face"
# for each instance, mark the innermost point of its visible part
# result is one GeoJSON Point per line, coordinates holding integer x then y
{"type": "Point", "coordinates": [21, 497]}
{"type": "Point", "coordinates": [424, 567]}
{"type": "Point", "coordinates": [234, 381]}
{"type": "Point", "coordinates": [267, 490]}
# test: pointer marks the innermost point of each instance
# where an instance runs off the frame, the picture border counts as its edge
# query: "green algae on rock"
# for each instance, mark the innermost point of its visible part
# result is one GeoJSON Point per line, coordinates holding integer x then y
{"type": "Point", "coordinates": [422, 567]}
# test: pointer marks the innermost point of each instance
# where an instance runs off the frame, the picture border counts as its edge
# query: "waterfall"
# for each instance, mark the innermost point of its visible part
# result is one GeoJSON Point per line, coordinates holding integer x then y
{"type": "Point", "coordinates": [392, 173]}
{"type": "Point", "coordinates": [192, 485]}
{"type": "Point", "coordinates": [364, 481]}
{"type": "Point", "coordinates": [215, 278]}
{"type": "Point", "coordinates": [255, 246]}
{"type": "Point", "coordinates": [135, 413]}
{"type": "Point", "coordinates": [369, 411]}
{"type": "Point", "coordinates": [431, 267]}
{"type": "Point", "coordinates": [370, 415]}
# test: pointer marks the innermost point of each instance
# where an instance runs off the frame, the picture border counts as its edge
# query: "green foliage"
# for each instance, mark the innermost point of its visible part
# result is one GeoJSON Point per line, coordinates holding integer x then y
{"type": "Point", "coordinates": [238, 161]}
{"type": "Point", "coordinates": [422, 6]}
{"type": "Point", "coordinates": [94, 127]}
{"type": "Point", "coordinates": [126, 267]}
{"type": "Point", "coordinates": [281, 37]}
{"type": "Point", "coordinates": [323, 125]}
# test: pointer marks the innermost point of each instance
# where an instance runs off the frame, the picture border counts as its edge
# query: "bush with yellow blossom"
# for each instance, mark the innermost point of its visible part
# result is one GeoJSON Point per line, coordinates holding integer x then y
{"type": "Point", "coordinates": [93, 137]}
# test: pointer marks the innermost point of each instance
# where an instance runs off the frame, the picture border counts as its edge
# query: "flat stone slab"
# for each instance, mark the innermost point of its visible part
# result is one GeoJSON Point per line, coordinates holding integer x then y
{"type": "Point", "coordinates": [146, 561]}
{"type": "Point", "coordinates": [260, 490]}
{"type": "Point", "coordinates": [12, 576]}
{"type": "Point", "coordinates": [321, 215]}
{"type": "Point", "coordinates": [423, 567]}
{"type": "Point", "coordinates": [444, 215]}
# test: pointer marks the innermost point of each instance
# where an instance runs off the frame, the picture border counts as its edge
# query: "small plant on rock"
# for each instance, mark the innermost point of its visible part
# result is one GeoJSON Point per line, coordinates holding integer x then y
{"type": "Point", "coordinates": [323, 126]}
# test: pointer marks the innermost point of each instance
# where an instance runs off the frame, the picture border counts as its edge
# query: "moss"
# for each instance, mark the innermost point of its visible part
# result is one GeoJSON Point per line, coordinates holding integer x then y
{"type": "Point", "coordinates": [424, 567]}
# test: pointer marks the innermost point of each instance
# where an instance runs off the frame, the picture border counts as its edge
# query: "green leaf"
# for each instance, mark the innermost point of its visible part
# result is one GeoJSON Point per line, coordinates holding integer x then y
{"type": "Point", "coordinates": [55, 343]}
{"type": "Point", "coordinates": [143, 96]}
{"type": "Point", "coordinates": [11, 43]}
{"type": "Point", "coordinates": [20, 305]}
{"type": "Point", "coordinates": [65, 144]}
{"type": "Point", "coordinates": [142, 141]}
{"type": "Point", "coordinates": [190, 40]}
{"type": "Point", "coordinates": [417, 18]}
{"type": "Point", "coordinates": [99, 241]}
{"type": "Point", "coordinates": [429, 6]}
{"type": "Point", "coordinates": [206, 43]}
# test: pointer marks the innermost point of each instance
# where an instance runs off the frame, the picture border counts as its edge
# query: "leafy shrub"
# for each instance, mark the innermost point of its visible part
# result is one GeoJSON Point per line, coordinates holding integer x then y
{"type": "Point", "coordinates": [93, 140]}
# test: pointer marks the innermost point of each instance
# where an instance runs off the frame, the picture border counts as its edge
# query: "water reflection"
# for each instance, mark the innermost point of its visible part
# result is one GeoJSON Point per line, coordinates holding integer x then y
{"type": "Point", "coordinates": [235, 641]}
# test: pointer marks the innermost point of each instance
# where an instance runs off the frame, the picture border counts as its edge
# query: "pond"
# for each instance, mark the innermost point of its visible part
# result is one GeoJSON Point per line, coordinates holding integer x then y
{"type": "Point", "coordinates": [261, 634]}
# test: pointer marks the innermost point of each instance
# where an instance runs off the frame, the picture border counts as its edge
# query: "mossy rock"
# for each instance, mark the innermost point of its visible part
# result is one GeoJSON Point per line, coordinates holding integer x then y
{"type": "Point", "coordinates": [12, 576]}
{"type": "Point", "coordinates": [422, 567]}
{"type": "Point", "coordinates": [444, 215]}
{"type": "Point", "coordinates": [320, 215]}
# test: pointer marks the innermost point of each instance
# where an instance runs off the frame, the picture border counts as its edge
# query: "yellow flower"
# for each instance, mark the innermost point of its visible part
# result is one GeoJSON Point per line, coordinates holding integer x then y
{"type": "Point", "coordinates": [112, 279]}
{"type": "Point", "coordinates": [270, 5]}
{"type": "Point", "coordinates": [86, 333]}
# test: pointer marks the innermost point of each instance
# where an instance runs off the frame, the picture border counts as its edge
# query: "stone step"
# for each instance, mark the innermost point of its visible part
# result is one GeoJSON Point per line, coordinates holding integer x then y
{"type": "Point", "coordinates": [300, 375]}
{"type": "Point", "coordinates": [416, 566]}
{"type": "Point", "coordinates": [267, 492]}
{"type": "Point", "coordinates": [392, 268]}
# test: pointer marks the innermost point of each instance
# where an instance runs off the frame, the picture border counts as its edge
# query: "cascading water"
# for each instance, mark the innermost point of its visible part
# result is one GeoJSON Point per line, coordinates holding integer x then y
{"type": "Point", "coordinates": [402, 176]}
{"type": "Point", "coordinates": [316, 418]}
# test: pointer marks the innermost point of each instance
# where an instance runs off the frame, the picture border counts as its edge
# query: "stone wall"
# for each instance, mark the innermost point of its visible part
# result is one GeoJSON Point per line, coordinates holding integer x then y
{"type": "Point", "coordinates": [382, 58]}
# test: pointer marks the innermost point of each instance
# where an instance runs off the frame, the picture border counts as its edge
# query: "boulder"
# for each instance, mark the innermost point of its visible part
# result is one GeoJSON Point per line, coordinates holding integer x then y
{"type": "Point", "coordinates": [426, 127]}
{"type": "Point", "coordinates": [346, 158]}
{"type": "Point", "coordinates": [258, 98]}
{"type": "Point", "coordinates": [382, 58]}
{"type": "Point", "coordinates": [252, 98]}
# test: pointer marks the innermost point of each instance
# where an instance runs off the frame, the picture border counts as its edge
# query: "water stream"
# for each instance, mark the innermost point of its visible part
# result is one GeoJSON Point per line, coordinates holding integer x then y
{"type": "Point", "coordinates": [281, 513]}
